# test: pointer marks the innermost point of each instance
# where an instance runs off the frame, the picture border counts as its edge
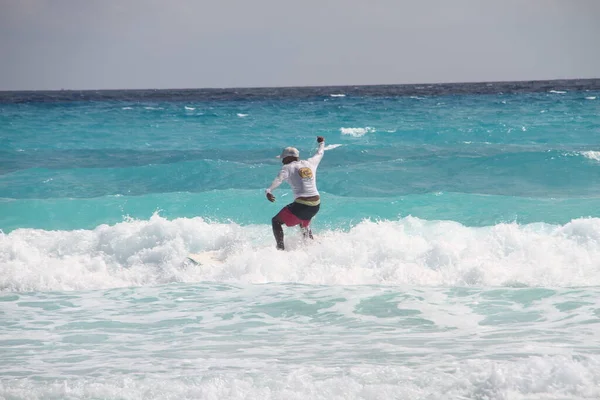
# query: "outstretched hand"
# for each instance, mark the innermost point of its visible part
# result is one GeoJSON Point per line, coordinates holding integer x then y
{"type": "Point", "coordinates": [270, 197]}
{"type": "Point", "coordinates": [320, 139]}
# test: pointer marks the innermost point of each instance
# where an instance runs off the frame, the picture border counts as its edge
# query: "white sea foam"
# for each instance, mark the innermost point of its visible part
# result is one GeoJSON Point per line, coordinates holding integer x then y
{"type": "Point", "coordinates": [590, 98]}
{"type": "Point", "coordinates": [337, 95]}
{"type": "Point", "coordinates": [242, 115]}
{"type": "Point", "coordinates": [357, 132]}
{"type": "Point", "coordinates": [332, 146]}
{"type": "Point", "coordinates": [408, 251]}
{"type": "Point", "coordinates": [557, 91]}
{"type": "Point", "coordinates": [190, 108]}
{"type": "Point", "coordinates": [127, 108]}
{"type": "Point", "coordinates": [471, 142]}
{"type": "Point", "coordinates": [592, 155]}
{"type": "Point", "coordinates": [558, 377]}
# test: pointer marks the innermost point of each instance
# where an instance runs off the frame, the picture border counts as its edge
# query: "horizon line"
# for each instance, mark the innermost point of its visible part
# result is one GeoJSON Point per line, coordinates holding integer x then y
{"type": "Point", "coordinates": [306, 86]}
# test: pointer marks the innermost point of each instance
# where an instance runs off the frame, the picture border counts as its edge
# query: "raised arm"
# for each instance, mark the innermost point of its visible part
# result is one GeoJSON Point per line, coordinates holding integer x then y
{"type": "Point", "coordinates": [316, 159]}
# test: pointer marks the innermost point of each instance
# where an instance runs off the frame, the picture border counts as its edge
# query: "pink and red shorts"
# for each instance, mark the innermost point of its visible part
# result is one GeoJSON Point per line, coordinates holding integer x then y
{"type": "Point", "coordinates": [297, 214]}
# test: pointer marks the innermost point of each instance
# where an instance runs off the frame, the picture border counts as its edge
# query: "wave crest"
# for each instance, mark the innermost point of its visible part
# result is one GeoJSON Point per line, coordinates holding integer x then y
{"type": "Point", "coordinates": [592, 155]}
{"type": "Point", "coordinates": [357, 132]}
{"type": "Point", "coordinates": [408, 251]}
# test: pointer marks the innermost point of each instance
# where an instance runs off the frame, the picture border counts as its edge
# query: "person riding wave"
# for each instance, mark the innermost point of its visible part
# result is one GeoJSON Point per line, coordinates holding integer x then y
{"type": "Point", "coordinates": [302, 177]}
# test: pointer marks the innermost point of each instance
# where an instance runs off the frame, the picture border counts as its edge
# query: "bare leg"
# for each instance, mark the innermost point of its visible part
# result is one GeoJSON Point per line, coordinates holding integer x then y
{"type": "Point", "coordinates": [278, 232]}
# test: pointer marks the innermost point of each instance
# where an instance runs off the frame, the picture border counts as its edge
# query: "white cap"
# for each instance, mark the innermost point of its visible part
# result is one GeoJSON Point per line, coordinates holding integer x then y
{"type": "Point", "coordinates": [290, 152]}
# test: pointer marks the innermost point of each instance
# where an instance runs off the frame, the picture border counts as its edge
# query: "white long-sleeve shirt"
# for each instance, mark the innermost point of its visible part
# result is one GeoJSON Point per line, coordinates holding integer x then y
{"type": "Point", "coordinates": [301, 175]}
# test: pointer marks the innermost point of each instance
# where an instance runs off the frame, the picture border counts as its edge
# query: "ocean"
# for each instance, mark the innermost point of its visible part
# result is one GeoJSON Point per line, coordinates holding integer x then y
{"type": "Point", "coordinates": [456, 253]}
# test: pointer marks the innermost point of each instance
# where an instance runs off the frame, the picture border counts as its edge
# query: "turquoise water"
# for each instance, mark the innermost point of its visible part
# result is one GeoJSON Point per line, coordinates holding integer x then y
{"type": "Point", "coordinates": [456, 251]}
{"type": "Point", "coordinates": [394, 155]}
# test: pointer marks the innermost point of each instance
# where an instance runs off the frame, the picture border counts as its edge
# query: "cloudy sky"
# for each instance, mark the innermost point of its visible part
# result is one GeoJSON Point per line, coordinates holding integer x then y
{"type": "Point", "coordinates": [110, 44]}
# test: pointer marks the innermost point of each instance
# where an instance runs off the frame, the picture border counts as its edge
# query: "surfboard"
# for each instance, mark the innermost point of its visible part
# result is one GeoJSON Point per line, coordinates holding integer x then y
{"type": "Point", "coordinates": [205, 258]}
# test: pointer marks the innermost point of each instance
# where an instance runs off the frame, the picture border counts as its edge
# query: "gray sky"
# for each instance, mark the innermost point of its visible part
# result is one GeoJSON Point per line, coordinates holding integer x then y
{"type": "Point", "coordinates": [115, 44]}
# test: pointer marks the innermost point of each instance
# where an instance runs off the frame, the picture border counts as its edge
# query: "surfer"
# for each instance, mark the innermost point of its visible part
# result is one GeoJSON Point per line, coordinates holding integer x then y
{"type": "Point", "coordinates": [302, 177]}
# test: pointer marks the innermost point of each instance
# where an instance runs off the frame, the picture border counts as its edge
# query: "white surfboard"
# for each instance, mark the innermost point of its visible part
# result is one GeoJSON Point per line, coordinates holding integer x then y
{"type": "Point", "coordinates": [205, 258]}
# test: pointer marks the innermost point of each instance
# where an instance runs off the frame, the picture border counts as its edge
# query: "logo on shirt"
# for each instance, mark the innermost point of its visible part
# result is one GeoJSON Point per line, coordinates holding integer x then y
{"type": "Point", "coordinates": [305, 173]}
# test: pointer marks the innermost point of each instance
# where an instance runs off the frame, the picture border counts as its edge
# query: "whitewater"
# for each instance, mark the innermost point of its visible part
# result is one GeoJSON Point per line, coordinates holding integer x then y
{"type": "Point", "coordinates": [456, 253]}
